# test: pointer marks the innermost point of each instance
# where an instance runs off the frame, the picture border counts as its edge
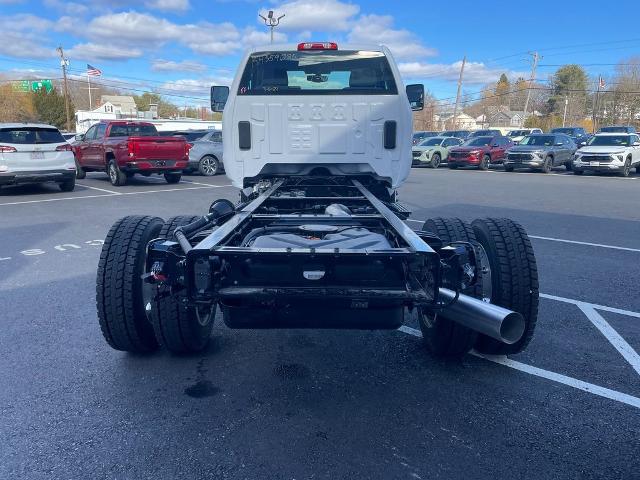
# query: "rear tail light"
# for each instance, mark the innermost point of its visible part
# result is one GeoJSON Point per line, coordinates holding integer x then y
{"type": "Point", "coordinates": [131, 147]}
{"type": "Point", "coordinates": [64, 148]}
{"type": "Point", "coordinates": [317, 46]}
{"type": "Point", "coordinates": [7, 149]}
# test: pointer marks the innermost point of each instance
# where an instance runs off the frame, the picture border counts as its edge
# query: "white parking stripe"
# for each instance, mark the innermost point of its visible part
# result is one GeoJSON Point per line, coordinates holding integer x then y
{"type": "Point", "coordinates": [604, 308]}
{"type": "Point", "coordinates": [564, 240]}
{"type": "Point", "coordinates": [553, 376]}
{"type": "Point", "coordinates": [619, 343]}
{"type": "Point", "coordinates": [99, 189]}
{"type": "Point", "coordinates": [196, 183]}
{"type": "Point", "coordinates": [612, 247]}
{"type": "Point", "coordinates": [112, 195]}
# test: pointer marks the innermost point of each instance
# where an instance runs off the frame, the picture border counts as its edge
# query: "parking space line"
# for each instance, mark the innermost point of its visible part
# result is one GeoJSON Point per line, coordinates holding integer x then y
{"type": "Point", "coordinates": [614, 338]}
{"type": "Point", "coordinates": [604, 308]}
{"type": "Point", "coordinates": [564, 240]}
{"type": "Point", "coordinates": [549, 375]}
{"type": "Point", "coordinates": [112, 195]}
{"type": "Point", "coordinates": [196, 183]}
{"type": "Point", "coordinates": [99, 189]}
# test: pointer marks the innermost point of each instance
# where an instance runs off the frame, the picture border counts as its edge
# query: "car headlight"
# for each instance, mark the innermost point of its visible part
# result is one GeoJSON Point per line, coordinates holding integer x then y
{"type": "Point", "coordinates": [620, 157]}
{"type": "Point", "coordinates": [538, 153]}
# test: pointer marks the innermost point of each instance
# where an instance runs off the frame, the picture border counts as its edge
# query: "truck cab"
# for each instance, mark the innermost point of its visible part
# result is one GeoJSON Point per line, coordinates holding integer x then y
{"type": "Point", "coordinates": [317, 108]}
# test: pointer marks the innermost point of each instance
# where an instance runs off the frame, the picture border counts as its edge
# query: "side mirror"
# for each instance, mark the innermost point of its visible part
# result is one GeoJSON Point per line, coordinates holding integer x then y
{"type": "Point", "coordinates": [79, 137]}
{"type": "Point", "coordinates": [415, 94]}
{"type": "Point", "coordinates": [219, 96]}
{"type": "Point", "coordinates": [558, 144]}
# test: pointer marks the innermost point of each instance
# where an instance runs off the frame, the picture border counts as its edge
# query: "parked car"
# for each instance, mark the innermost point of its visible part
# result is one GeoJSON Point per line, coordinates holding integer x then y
{"type": "Point", "coordinates": [68, 137]}
{"type": "Point", "coordinates": [617, 129]}
{"type": "Point", "coordinates": [578, 134]}
{"type": "Point", "coordinates": [189, 135]}
{"type": "Point", "coordinates": [516, 136]}
{"type": "Point", "coordinates": [35, 153]}
{"type": "Point", "coordinates": [419, 136]}
{"type": "Point", "coordinates": [123, 148]}
{"type": "Point", "coordinates": [479, 152]}
{"type": "Point", "coordinates": [541, 151]}
{"type": "Point", "coordinates": [463, 134]}
{"type": "Point", "coordinates": [609, 152]}
{"type": "Point", "coordinates": [485, 133]}
{"type": "Point", "coordinates": [205, 156]}
{"type": "Point", "coordinates": [433, 151]}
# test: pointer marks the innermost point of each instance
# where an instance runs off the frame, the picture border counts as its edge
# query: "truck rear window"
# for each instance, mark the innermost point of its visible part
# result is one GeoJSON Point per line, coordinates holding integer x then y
{"type": "Point", "coordinates": [30, 135]}
{"type": "Point", "coordinates": [319, 72]}
{"type": "Point", "coordinates": [133, 130]}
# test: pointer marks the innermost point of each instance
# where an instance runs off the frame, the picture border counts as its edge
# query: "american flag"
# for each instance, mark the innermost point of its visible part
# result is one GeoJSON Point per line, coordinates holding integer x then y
{"type": "Point", "coordinates": [93, 71]}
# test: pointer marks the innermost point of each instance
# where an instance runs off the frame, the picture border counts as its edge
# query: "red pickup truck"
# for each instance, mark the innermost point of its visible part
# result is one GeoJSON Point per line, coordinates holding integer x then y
{"type": "Point", "coordinates": [123, 148]}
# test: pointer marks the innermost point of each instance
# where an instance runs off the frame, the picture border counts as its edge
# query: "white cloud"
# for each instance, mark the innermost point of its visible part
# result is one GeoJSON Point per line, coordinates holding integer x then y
{"type": "Point", "coordinates": [24, 22]}
{"type": "Point", "coordinates": [142, 30]}
{"type": "Point", "coordinates": [93, 51]}
{"type": "Point", "coordinates": [171, 5]}
{"type": "Point", "coordinates": [378, 29]}
{"type": "Point", "coordinates": [22, 36]}
{"type": "Point", "coordinates": [183, 66]}
{"type": "Point", "coordinates": [194, 87]}
{"type": "Point", "coordinates": [252, 37]}
{"type": "Point", "coordinates": [315, 15]}
{"type": "Point", "coordinates": [474, 72]}
{"type": "Point", "coordinates": [69, 8]}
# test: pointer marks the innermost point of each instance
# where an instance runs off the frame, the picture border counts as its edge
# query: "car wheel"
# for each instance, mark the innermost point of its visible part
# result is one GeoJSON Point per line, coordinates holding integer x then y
{"type": "Point", "coordinates": [508, 168]}
{"type": "Point", "coordinates": [514, 278]}
{"type": "Point", "coordinates": [435, 160]}
{"type": "Point", "coordinates": [484, 163]}
{"type": "Point", "coordinates": [172, 177]}
{"type": "Point", "coordinates": [209, 166]}
{"type": "Point", "coordinates": [80, 172]}
{"type": "Point", "coordinates": [626, 170]}
{"type": "Point", "coordinates": [546, 165]}
{"type": "Point", "coordinates": [444, 337]}
{"type": "Point", "coordinates": [179, 328]}
{"type": "Point", "coordinates": [568, 166]}
{"type": "Point", "coordinates": [68, 185]}
{"type": "Point", "coordinates": [116, 177]}
{"type": "Point", "coordinates": [119, 299]}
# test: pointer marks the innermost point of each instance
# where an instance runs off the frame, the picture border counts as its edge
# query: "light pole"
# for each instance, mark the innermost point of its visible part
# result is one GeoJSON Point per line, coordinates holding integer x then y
{"type": "Point", "coordinates": [271, 21]}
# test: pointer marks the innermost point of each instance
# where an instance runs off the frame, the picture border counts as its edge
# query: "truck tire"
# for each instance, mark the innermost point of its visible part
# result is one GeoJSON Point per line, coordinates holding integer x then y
{"type": "Point", "coordinates": [443, 337]}
{"type": "Point", "coordinates": [172, 177]}
{"type": "Point", "coordinates": [68, 185]}
{"type": "Point", "coordinates": [209, 166]}
{"type": "Point", "coordinates": [514, 277]}
{"type": "Point", "coordinates": [179, 328]}
{"type": "Point", "coordinates": [119, 301]}
{"type": "Point", "coordinates": [116, 176]}
{"type": "Point", "coordinates": [81, 173]}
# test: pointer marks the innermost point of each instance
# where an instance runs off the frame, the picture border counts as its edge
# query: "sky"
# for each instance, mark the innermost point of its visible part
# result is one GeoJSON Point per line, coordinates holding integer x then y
{"type": "Point", "coordinates": [181, 47]}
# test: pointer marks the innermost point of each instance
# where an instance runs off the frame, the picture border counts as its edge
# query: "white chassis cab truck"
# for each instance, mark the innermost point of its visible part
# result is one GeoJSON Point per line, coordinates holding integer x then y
{"type": "Point", "coordinates": [317, 137]}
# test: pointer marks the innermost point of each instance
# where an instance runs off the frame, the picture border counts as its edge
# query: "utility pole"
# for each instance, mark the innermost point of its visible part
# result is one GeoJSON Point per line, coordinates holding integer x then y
{"type": "Point", "coordinates": [564, 116]}
{"type": "Point", "coordinates": [271, 21]}
{"type": "Point", "coordinates": [64, 63]}
{"type": "Point", "coordinates": [536, 58]}
{"type": "Point", "coordinates": [596, 105]}
{"type": "Point", "coordinates": [455, 109]}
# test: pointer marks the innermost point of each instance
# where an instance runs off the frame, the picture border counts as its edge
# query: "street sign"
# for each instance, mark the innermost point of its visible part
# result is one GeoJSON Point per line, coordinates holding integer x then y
{"type": "Point", "coordinates": [32, 85]}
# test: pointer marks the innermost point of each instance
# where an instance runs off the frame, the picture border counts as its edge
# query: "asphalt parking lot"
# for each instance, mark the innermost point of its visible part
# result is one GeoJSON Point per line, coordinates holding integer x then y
{"type": "Point", "coordinates": [324, 404]}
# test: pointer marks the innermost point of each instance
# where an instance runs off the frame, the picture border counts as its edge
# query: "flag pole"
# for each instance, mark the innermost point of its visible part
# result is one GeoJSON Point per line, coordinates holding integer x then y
{"type": "Point", "coordinates": [89, 86]}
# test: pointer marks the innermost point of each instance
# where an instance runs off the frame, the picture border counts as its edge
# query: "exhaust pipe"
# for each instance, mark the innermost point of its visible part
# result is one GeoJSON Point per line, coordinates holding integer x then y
{"type": "Point", "coordinates": [486, 318]}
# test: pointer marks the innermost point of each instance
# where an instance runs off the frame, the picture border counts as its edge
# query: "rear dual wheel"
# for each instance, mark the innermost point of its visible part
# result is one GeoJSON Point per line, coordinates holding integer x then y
{"type": "Point", "coordinates": [508, 277]}
{"type": "Point", "coordinates": [119, 299]}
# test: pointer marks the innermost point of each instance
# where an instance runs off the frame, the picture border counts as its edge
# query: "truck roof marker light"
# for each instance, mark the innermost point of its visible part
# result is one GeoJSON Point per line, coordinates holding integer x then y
{"type": "Point", "coordinates": [318, 46]}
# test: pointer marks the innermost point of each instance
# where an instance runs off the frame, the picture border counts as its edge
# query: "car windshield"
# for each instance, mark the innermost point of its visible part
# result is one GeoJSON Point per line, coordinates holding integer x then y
{"type": "Point", "coordinates": [132, 130]}
{"type": "Point", "coordinates": [518, 133]}
{"type": "Point", "coordinates": [610, 141]}
{"type": "Point", "coordinates": [30, 135]}
{"type": "Point", "coordinates": [478, 142]}
{"type": "Point", "coordinates": [566, 131]}
{"type": "Point", "coordinates": [429, 142]}
{"type": "Point", "coordinates": [482, 133]}
{"type": "Point", "coordinates": [317, 72]}
{"type": "Point", "coordinates": [538, 140]}
{"type": "Point", "coordinates": [191, 136]}
{"type": "Point", "coordinates": [616, 129]}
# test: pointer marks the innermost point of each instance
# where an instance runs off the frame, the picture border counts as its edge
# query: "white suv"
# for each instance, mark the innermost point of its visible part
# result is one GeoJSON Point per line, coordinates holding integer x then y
{"type": "Point", "coordinates": [609, 152]}
{"type": "Point", "coordinates": [35, 153]}
{"type": "Point", "coordinates": [317, 109]}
